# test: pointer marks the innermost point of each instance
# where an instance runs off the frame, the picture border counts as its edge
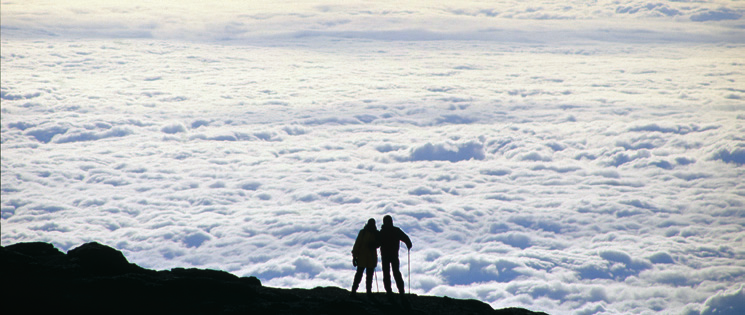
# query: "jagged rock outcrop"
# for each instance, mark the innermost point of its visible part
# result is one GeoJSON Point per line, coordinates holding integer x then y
{"type": "Point", "coordinates": [37, 278]}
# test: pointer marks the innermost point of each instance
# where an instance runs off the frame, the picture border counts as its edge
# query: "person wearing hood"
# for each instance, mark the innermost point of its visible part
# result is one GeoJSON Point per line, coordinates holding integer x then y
{"type": "Point", "coordinates": [390, 240]}
{"type": "Point", "coordinates": [365, 255]}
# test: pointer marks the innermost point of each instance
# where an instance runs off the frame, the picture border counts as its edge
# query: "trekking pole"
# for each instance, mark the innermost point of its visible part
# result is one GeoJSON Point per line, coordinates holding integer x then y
{"type": "Point", "coordinates": [408, 262]}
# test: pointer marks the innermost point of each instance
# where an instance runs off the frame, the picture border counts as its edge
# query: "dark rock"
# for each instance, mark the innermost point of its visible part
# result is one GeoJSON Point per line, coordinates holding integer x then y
{"type": "Point", "coordinates": [195, 273]}
{"type": "Point", "coordinates": [100, 259]}
{"type": "Point", "coordinates": [97, 279]}
{"type": "Point", "coordinates": [30, 255]}
{"type": "Point", "coordinates": [36, 249]}
{"type": "Point", "coordinates": [251, 280]}
{"type": "Point", "coordinates": [514, 311]}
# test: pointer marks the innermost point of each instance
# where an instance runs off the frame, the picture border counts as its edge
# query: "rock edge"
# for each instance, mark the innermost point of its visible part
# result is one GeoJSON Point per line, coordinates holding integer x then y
{"type": "Point", "coordinates": [94, 278]}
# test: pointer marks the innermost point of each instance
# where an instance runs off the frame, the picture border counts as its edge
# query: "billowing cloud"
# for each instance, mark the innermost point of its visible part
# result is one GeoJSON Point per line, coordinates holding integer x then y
{"type": "Point", "coordinates": [573, 177]}
{"type": "Point", "coordinates": [511, 21]}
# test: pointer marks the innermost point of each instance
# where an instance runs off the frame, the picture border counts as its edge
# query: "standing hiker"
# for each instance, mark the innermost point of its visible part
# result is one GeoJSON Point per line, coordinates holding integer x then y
{"type": "Point", "coordinates": [390, 240]}
{"type": "Point", "coordinates": [365, 255]}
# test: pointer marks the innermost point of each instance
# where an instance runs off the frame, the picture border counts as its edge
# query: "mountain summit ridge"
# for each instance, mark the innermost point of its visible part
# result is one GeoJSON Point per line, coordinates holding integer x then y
{"type": "Point", "coordinates": [95, 278]}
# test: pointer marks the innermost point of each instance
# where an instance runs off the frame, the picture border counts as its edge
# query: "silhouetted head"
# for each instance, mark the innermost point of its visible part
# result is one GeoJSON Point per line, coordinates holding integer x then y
{"type": "Point", "coordinates": [387, 220]}
{"type": "Point", "coordinates": [371, 224]}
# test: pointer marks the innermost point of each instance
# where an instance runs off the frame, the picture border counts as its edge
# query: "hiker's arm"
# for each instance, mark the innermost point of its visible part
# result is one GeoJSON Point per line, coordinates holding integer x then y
{"type": "Point", "coordinates": [405, 239]}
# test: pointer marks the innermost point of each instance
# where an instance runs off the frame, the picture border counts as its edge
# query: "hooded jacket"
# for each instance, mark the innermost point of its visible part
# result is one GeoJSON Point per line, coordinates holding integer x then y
{"type": "Point", "coordinates": [366, 247]}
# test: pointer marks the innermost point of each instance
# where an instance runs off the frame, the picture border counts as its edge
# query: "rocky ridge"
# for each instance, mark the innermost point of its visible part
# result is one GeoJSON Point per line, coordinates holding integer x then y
{"type": "Point", "coordinates": [93, 278]}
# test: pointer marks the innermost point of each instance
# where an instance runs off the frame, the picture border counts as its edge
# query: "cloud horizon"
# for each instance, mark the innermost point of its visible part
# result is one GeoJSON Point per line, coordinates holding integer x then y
{"type": "Point", "coordinates": [558, 157]}
{"type": "Point", "coordinates": [509, 21]}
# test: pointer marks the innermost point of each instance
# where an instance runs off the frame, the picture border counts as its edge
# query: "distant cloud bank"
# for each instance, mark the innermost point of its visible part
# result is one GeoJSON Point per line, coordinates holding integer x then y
{"type": "Point", "coordinates": [504, 21]}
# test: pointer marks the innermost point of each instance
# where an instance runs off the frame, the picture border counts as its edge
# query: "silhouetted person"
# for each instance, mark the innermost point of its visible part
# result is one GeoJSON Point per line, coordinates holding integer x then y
{"type": "Point", "coordinates": [365, 255]}
{"type": "Point", "coordinates": [390, 240]}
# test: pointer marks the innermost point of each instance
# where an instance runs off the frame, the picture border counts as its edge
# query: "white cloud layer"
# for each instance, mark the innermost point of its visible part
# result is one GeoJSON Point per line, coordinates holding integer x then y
{"type": "Point", "coordinates": [510, 21]}
{"type": "Point", "coordinates": [559, 156]}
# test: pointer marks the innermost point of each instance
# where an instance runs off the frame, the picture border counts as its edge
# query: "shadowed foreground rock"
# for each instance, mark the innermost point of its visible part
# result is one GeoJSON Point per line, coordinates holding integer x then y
{"type": "Point", "coordinates": [37, 278]}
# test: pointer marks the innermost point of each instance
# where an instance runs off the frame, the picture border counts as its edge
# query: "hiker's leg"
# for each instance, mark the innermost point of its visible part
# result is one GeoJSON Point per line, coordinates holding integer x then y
{"type": "Point", "coordinates": [395, 264]}
{"type": "Point", "coordinates": [387, 275]}
{"type": "Point", "coordinates": [369, 280]}
{"type": "Point", "coordinates": [357, 278]}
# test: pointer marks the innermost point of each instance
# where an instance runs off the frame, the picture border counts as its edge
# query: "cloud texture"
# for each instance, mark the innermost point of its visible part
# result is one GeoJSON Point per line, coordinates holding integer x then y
{"type": "Point", "coordinates": [512, 21]}
{"type": "Point", "coordinates": [549, 172]}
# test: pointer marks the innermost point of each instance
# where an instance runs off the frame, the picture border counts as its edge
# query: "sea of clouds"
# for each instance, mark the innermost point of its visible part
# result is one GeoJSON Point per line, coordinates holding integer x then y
{"type": "Point", "coordinates": [563, 156]}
